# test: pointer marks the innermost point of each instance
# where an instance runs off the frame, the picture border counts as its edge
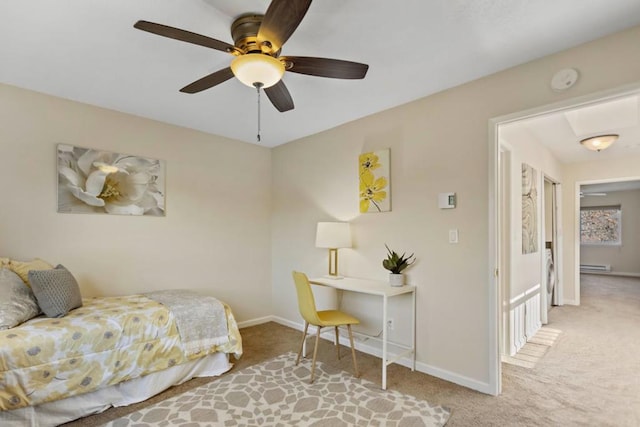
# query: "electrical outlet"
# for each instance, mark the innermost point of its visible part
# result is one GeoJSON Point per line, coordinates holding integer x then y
{"type": "Point", "coordinates": [390, 324]}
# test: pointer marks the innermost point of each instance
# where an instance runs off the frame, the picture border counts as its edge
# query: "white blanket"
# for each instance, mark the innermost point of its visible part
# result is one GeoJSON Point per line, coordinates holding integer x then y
{"type": "Point", "coordinates": [200, 319]}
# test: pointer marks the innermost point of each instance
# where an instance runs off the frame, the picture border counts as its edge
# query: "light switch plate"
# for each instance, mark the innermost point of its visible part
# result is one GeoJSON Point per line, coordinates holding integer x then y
{"type": "Point", "coordinates": [453, 236]}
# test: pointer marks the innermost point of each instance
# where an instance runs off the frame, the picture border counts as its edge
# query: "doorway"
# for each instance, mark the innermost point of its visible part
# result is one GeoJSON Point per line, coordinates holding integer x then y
{"type": "Point", "coordinates": [617, 249]}
{"type": "Point", "coordinates": [500, 270]}
{"type": "Point", "coordinates": [552, 246]}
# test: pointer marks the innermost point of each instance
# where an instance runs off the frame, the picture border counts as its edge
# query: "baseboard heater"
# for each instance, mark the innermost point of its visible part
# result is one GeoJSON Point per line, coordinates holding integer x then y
{"type": "Point", "coordinates": [594, 268]}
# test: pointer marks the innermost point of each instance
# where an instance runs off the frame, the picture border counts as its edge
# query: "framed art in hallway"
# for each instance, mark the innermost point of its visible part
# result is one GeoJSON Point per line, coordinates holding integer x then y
{"type": "Point", "coordinates": [529, 209]}
{"type": "Point", "coordinates": [98, 181]}
{"type": "Point", "coordinates": [375, 181]}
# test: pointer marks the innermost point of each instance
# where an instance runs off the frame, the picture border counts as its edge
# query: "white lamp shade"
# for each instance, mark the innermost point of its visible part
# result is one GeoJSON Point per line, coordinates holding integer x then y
{"type": "Point", "coordinates": [333, 235]}
{"type": "Point", "coordinates": [257, 68]}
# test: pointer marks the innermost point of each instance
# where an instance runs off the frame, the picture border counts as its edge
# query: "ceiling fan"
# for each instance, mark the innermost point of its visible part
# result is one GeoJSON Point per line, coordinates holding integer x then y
{"type": "Point", "coordinates": [258, 40]}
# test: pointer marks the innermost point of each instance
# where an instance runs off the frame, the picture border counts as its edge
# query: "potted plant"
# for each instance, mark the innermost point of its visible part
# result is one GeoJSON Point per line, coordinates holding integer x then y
{"type": "Point", "coordinates": [396, 264]}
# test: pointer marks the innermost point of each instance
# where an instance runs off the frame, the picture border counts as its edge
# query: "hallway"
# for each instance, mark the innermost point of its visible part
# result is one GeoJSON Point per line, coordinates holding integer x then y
{"type": "Point", "coordinates": [591, 375]}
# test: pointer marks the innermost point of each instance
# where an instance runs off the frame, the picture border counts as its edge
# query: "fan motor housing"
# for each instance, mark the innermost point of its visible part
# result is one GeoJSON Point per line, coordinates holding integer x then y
{"type": "Point", "coordinates": [244, 31]}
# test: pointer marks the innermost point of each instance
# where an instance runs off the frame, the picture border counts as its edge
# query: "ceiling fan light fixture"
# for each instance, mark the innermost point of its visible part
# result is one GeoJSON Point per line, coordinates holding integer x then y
{"type": "Point", "coordinates": [259, 68]}
{"type": "Point", "coordinates": [599, 142]}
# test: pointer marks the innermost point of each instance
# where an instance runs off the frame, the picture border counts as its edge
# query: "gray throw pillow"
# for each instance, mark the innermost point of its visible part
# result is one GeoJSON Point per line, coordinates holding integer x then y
{"type": "Point", "coordinates": [17, 303]}
{"type": "Point", "coordinates": [56, 290]}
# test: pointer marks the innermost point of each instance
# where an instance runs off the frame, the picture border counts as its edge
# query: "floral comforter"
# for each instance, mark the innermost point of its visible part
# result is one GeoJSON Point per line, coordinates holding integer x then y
{"type": "Point", "coordinates": [106, 341]}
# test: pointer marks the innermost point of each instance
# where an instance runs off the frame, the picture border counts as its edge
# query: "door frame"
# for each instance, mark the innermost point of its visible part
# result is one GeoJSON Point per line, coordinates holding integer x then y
{"type": "Point", "coordinates": [504, 249]}
{"type": "Point", "coordinates": [557, 243]}
{"type": "Point", "coordinates": [495, 295]}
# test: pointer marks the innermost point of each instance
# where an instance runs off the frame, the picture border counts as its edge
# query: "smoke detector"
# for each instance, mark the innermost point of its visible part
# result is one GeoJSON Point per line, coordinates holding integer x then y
{"type": "Point", "coordinates": [564, 79]}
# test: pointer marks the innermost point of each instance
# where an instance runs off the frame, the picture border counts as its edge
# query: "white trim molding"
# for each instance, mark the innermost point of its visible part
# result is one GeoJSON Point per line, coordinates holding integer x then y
{"type": "Point", "coordinates": [365, 347]}
{"type": "Point", "coordinates": [256, 321]}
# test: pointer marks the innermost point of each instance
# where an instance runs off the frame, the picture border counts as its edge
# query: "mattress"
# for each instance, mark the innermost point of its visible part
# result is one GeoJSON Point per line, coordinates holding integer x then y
{"type": "Point", "coordinates": [105, 342]}
{"type": "Point", "coordinates": [122, 394]}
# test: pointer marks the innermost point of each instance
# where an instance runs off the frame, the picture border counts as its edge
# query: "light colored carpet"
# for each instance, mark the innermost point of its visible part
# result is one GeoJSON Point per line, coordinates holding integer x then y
{"type": "Point", "coordinates": [535, 349]}
{"type": "Point", "coordinates": [277, 393]}
{"type": "Point", "coordinates": [589, 377]}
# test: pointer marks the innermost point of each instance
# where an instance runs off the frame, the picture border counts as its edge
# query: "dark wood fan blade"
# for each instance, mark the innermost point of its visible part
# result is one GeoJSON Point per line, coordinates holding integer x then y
{"type": "Point", "coordinates": [281, 20]}
{"type": "Point", "coordinates": [209, 81]}
{"type": "Point", "coordinates": [183, 35]}
{"type": "Point", "coordinates": [324, 67]}
{"type": "Point", "coordinates": [280, 97]}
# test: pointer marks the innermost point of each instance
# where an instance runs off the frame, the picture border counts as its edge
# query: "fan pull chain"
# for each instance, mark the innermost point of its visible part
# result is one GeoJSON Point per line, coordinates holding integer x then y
{"type": "Point", "coordinates": [258, 85]}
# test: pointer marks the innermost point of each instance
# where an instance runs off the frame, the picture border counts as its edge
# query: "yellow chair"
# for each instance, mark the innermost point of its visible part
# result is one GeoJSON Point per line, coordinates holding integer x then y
{"type": "Point", "coordinates": [320, 319]}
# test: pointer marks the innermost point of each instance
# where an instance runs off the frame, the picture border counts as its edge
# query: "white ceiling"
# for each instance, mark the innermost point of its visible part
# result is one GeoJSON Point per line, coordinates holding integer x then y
{"type": "Point", "coordinates": [88, 51]}
{"type": "Point", "coordinates": [562, 131]}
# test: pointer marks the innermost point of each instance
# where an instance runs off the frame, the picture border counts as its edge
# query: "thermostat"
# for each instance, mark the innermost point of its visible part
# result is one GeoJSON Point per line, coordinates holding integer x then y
{"type": "Point", "coordinates": [447, 200]}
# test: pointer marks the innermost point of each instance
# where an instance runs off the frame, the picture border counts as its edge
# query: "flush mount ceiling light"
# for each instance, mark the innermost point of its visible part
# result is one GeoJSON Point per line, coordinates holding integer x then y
{"type": "Point", "coordinates": [599, 142]}
{"type": "Point", "coordinates": [257, 68]}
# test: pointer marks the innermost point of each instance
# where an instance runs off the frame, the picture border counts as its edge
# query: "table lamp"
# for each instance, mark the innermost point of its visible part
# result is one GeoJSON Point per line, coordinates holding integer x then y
{"type": "Point", "coordinates": [333, 235]}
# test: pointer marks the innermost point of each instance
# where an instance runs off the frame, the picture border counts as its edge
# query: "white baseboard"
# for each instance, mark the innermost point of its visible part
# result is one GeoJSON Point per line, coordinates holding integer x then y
{"type": "Point", "coordinates": [364, 347]}
{"type": "Point", "coordinates": [626, 274]}
{"type": "Point", "coordinates": [254, 322]}
{"type": "Point", "coordinates": [452, 377]}
{"type": "Point", "coordinates": [287, 322]}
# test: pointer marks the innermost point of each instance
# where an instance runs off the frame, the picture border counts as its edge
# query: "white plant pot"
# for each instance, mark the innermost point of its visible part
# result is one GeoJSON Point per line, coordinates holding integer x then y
{"type": "Point", "coordinates": [396, 279]}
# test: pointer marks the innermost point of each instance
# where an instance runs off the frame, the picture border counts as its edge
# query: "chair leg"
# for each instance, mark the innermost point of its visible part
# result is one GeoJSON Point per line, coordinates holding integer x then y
{"type": "Point", "coordinates": [353, 352]}
{"type": "Point", "coordinates": [304, 337]}
{"type": "Point", "coordinates": [315, 352]}
{"type": "Point", "coordinates": [338, 343]}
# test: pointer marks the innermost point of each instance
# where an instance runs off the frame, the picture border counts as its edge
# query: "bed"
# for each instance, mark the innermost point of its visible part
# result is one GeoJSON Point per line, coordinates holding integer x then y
{"type": "Point", "coordinates": [111, 351]}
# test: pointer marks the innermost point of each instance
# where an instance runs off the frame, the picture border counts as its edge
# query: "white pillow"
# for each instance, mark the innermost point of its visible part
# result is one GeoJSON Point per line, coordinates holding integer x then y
{"type": "Point", "coordinates": [17, 302]}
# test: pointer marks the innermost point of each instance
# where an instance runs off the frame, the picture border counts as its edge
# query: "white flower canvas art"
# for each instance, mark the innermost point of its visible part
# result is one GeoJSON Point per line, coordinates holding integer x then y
{"type": "Point", "coordinates": [96, 181]}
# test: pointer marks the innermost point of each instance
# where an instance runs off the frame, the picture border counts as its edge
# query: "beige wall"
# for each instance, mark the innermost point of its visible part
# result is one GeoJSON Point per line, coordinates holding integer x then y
{"type": "Point", "coordinates": [624, 259]}
{"type": "Point", "coordinates": [215, 237]}
{"type": "Point", "coordinates": [526, 269]}
{"type": "Point", "coordinates": [438, 144]}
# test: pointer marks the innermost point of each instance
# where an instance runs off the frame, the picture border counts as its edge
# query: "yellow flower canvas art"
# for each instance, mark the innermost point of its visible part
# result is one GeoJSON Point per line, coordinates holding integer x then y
{"type": "Point", "coordinates": [375, 188]}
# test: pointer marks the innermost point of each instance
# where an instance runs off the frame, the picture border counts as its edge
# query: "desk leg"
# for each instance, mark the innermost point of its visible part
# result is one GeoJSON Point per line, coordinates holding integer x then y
{"type": "Point", "coordinates": [413, 329]}
{"type": "Point", "coordinates": [384, 342]}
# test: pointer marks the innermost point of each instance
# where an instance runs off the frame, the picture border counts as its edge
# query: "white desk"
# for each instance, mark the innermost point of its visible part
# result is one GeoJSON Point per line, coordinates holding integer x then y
{"type": "Point", "coordinates": [383, 289]}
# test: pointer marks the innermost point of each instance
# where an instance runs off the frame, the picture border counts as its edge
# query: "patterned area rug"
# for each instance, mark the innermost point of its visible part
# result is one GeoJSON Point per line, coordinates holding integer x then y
{"type": "Point", "coordinates": [277, 393]}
